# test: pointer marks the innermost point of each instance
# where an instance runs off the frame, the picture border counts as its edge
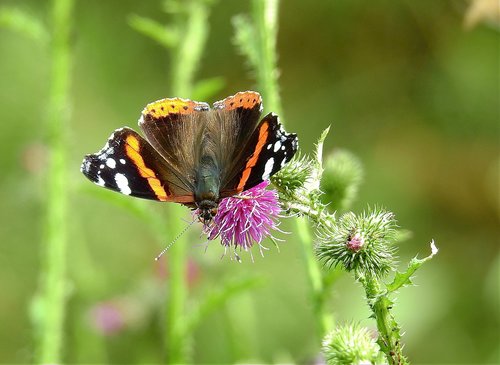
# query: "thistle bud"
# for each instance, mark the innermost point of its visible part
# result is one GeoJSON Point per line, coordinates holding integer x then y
{"type": "Point", "coordinates": [361, 243]}
{"type": "Point", "coordinates": [351, 344]}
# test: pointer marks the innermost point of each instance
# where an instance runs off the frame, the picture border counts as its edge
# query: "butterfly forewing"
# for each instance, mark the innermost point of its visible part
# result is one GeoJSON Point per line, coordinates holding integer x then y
{"type": "Point", "coordinates": [130, 165]}
{"type": "Point", "coordinates": [174, 128]}
{"type": "Point", "coordinates": [235, 120]}
{"type": "Point", "coordinates": [266, 152]}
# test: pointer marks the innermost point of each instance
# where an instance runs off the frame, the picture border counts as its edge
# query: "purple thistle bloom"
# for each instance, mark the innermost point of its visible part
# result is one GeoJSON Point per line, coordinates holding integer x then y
{"type": "Point", "coordinates": [356, 243]}
{"type": "Point", "coordinates": [246, 219]}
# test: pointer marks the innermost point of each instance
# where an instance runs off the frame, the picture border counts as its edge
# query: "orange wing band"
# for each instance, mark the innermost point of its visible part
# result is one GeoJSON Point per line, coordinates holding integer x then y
{"type": "Point", "coordinates": [263, 134]}
{"type": "Point", "coordinates": [132, 150]}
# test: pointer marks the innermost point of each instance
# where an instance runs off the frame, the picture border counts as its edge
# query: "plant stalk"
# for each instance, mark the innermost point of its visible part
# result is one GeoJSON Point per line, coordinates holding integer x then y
{"type": "Point", "coordinates": [51, 301]}
{"type": "Point", "coordinates": [186, 57]}
{"type": "Point", "coordinates": [389, 338]}
{"type": "Point", "coordinates": [323, 319]}
{"type": "Point", "coordinates": [177, 293]}
{"type": "Point", "coordinates": [265, 19]}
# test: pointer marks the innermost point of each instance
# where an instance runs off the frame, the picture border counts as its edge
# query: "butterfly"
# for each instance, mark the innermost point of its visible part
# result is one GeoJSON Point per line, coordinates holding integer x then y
{"type": "Point", "coordinates": [193, 154]}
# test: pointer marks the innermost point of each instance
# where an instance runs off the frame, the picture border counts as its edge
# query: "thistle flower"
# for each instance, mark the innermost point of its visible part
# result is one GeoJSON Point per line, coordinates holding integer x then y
{"type": "Point", "coordinates": [246, 219]}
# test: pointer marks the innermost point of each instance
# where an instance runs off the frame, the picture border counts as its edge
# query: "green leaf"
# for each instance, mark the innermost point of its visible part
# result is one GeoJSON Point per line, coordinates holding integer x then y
{"type": "Point", "coordinates": [138, 208]}
{"type": "Point", "coordinates": [319, 147]}
{"type": "Point", "coordinates": [218, 298]}
{"type": "Point", "coordinates": [160, 33]}
{"type": "Point", "coordinates": [205, 89]}
{"type": "Point", "coordinates": [25, 24]}
{"type": "Point", "coordinates": [314, 179]}
{"type": "Point", "coordinates": [404, 279]}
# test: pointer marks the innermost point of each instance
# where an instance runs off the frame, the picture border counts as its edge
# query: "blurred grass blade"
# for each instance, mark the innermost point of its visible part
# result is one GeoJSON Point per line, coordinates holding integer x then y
{"type": "Point", "coordinates": [53, 288]}
{"type": "Point", "coordinates": [166, 36]}
{"type": "Point", "coordinates": [25, 24]}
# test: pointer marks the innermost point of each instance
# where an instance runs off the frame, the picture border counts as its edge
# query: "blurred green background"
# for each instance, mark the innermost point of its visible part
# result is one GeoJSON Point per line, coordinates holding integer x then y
{"type": "Point", "coordinates": [406, 86]}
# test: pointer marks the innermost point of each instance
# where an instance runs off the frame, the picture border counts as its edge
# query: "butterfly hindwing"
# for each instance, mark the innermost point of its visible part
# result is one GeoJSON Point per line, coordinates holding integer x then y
{"type": "Point", "coordinates": [130, 165]}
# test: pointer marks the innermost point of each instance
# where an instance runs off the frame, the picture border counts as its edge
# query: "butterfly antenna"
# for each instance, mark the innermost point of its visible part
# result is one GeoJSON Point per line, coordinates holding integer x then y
{"type": "Point", "coordinates": [174, 240]}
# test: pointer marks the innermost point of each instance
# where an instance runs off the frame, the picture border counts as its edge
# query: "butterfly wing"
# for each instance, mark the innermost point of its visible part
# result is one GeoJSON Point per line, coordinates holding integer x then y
{"type": "Point", "coordinates": [267, 150]}
{"type": "Point", "coordinates": [174, 127]}
{"type": "Point", "coordinates": [130, 165]}
{"type": "Point", "coordinates": [234, 122]}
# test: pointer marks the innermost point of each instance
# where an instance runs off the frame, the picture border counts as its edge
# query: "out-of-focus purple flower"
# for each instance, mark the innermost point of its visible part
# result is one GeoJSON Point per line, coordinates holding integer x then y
{"type": "Point", "coordinates": [246, 219]}
{"type": "Point", "coordinates": [107, 318]}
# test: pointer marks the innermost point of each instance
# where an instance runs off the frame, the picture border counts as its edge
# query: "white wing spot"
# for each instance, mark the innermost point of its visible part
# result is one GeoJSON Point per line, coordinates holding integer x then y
{"type": "Point", "coordinates": [277, 146]}
{"type": "Point", "coordinates": [282, 148]}
{"type": "Point", "coordinates": [100, 181]}
{"type": "Point", "coordinates": [269, 146]}
{"type": "Point", "coordinates": [122, 161]}
{"type": "Point", "coordinates": [111, 163]}
{"type": "Point", "coordinates": [85, 165]}
{"type": "Point", "coordinates": [101, 166]}
{"type": "Point", "coordinates": [122, 183]}
{"type": "Point", "coordinates": [268, 169]}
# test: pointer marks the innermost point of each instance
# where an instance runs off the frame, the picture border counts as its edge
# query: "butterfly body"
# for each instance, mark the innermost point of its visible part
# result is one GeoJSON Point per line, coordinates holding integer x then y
{"type": "Point", "coordinates": [192, 154]}
{"type": "Point", "coordinates": [206, 188]}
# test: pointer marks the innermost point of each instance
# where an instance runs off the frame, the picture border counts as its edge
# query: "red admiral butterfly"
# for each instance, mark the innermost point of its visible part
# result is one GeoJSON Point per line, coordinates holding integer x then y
{"type": "Point", "coordinates": [192, 154]}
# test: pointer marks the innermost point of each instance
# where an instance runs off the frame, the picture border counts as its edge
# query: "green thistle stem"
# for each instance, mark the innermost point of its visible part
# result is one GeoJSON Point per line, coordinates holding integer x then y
{"type": "Point", "coordinates": [323, 320]}
{"type": "Point", "coordinates": [389, 338]}
{"type": "Point", "coordinates": [265, 23]}
{"type": "Point", "coordinates": [305, 209]}
{"type": "Point", "coordinates": [265, 19]}
{"type": "Point", "coordinates": [50, 305]}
